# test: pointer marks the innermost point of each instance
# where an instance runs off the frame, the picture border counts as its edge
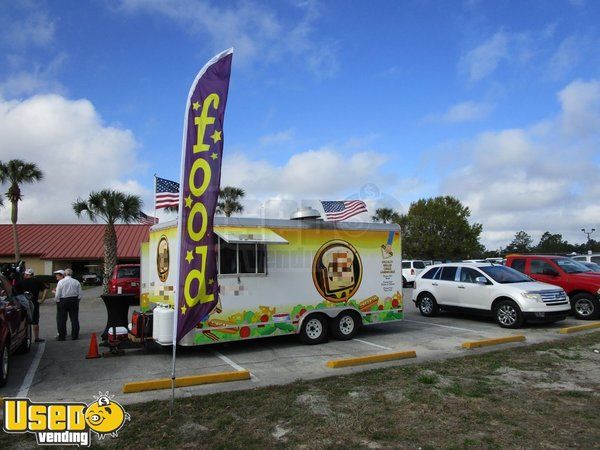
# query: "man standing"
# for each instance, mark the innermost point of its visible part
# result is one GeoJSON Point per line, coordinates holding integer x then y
{"type": "Point", "coordinates": [68, 294]}
{"type": "Point", "coordinates": [34, 286]}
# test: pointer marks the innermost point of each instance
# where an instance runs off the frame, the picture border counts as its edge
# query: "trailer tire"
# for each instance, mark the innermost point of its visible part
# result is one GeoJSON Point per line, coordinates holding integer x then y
{"type": "Point", "coordinates": [4, 363]}
{"type": "Point", "coordinates": [314, 329]}
{"type": "Point", "coordinates": [345, 325]}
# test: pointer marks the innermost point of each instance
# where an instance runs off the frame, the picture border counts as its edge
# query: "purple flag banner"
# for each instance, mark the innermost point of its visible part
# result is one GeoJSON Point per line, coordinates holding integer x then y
{"type": "Point", "coordinates": [202, 151]}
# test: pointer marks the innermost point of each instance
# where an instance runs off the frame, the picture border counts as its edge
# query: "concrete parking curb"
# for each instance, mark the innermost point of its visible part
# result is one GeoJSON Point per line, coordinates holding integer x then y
{"type": "Point", "coordinates": [165, 383]}
{"type": "Point", "coordinates": [494, 341]}
{"type": "Point", "coordinates": [345, 362]}
{"type": "Point", "coordinates": [574, 329]}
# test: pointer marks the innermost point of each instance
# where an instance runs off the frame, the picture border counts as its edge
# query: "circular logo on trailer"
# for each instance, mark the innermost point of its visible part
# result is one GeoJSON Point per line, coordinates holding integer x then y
{"type": "Point", "coordinates": [337, 271]}
{"type": "Point", "coordinates": [162, 258]}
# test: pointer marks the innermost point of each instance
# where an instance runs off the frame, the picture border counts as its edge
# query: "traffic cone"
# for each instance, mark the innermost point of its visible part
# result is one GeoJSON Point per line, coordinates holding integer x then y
{"type": "Point", "coordinates": [93, 351]}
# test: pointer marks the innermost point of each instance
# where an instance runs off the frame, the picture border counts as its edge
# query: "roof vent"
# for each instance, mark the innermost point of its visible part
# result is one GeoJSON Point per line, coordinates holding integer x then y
{"type": "Point", "coordinates": [306, 213]}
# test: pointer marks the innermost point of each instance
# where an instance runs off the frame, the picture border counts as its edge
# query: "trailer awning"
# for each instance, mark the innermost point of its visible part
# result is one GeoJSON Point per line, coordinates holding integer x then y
{"type": "Point", "coordinates": [243, 235]}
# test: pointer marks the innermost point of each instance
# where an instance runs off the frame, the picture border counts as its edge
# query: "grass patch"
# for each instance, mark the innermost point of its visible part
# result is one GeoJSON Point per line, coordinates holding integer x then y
{"type": "Point", "coordinates": [456, 403]}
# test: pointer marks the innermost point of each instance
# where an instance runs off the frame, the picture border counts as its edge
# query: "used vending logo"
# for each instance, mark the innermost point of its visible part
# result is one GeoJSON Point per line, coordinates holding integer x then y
{"type": "Point", "coordinates": [65, 423]}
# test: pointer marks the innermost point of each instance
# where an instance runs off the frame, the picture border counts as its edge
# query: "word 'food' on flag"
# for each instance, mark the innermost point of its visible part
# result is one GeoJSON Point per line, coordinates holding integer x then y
{"type": "Point", "coordinates": [167, 193]}
{"type": "Point", "coordinates": [145, 219]}
{"type": "Point", "coordinates": [197, 288]}
{"type": "Point", "coordinates": [335, 211]}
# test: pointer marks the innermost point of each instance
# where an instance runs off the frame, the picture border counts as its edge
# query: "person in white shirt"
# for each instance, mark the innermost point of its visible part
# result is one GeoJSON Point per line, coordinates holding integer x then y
{"type": "Point", "coordinates": [68, 294]}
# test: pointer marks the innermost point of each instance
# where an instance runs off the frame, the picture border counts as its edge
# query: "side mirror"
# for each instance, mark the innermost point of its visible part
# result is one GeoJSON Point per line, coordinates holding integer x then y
{"type": "Point", "coordinates": [481, 280]}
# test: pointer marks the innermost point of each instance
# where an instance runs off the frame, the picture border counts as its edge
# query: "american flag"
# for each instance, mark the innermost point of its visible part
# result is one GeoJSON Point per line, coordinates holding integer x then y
{"type": "Point", "coordinates": [147, 220]}
{"type": "Point", "coordinates": [167, 193]}
{"type": "Point", "coordinates": [342, 210]}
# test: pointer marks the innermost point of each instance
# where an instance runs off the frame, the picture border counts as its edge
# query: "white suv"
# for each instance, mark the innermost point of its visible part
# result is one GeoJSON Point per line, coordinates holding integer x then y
{"type": "Point", "coordinates": [410, 269]}
{"type": "Point", "coordinates": [591, 257]}
{"type": "Point", "coordinates": [510, 296]}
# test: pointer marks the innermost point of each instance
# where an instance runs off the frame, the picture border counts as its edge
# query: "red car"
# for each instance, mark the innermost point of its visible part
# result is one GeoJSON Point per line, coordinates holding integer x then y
{"type": "Point", "coordinates": [579, 282]}
{"type": "Point", "coordinates": [125, 280]}
{"type": "Point", "coordinates": [15, 328]}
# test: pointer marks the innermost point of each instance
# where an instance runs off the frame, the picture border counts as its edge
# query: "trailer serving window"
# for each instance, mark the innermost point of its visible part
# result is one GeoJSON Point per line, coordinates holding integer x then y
{"type": "Point", "coordinates": [243, 251]}
{"type": "Point", "coordinates": [242, 259]}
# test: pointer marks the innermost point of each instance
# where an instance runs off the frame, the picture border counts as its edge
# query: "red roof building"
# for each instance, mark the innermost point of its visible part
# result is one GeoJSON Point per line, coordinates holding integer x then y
{"type": "Point", "coordinates": [64, 245]}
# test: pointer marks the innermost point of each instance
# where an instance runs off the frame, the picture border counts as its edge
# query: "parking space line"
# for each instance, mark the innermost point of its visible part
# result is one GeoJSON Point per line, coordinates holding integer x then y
{"type": "Point", "coordinates": [443, 326]}
{"type": "Point", "coordinates": [373, 345]}
{"type": "Point", "coordinates": [28, 380]}
{"type": "Point", "coordinates": [236, 366]}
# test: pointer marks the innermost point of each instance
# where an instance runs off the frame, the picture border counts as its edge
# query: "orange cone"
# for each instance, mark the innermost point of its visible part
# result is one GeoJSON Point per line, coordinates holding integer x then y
{"type": "Point", "coordinates": [93, 351]}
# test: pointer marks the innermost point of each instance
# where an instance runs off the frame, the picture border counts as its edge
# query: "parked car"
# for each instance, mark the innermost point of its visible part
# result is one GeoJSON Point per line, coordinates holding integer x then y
{"type": "Point", "coordinates": [592, 257]}
{"type": "Point", "coordinates": [15, 328]}
{"type": "Point", "coordinates": [592, 266]}
{"type": "Point", "coordinates": [581, 285]}
{"type": "Point", "coordinates": [410, 269]}
{"type": "Point", "coordinates": [125, 280]}
{"type": "Point", "coordinates": [91, 279]}
{"type": "Point", "coordinates": [489, 289]}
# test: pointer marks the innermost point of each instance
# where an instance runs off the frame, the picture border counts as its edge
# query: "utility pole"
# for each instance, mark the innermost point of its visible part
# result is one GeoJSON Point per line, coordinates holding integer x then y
{"type": "Point", "coordinates": [588, 233]}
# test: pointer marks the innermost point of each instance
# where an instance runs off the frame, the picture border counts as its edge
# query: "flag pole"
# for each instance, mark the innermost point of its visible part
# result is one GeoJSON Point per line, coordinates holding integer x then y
{"type": "Point", "coordinates": [154, 197]}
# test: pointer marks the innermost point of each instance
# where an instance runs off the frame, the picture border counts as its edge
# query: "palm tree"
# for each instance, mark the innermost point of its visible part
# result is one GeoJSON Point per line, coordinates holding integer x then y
{"type": "Point", "coordinates": [110, 206]}
{"type": "Point", "coordinates": [386, 215]}
{"type": "Point", "coordinates": [17, 172]}
{"type": "Point", "coordinates": [228, 200]}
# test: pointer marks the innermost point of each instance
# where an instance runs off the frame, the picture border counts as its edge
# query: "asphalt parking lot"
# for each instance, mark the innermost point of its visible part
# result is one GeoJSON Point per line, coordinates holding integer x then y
{"type": "Point", "coordinates": [58, 371]}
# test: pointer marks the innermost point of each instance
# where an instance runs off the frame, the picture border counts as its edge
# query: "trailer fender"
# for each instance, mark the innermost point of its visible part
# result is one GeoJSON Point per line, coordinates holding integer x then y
{"type": "Point", "coordinates": [331, 313]}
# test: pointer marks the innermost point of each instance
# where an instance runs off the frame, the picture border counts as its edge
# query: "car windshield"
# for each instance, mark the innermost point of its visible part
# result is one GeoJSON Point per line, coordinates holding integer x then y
{"type": "Point", "coordinates": [570, 266]}
{"type": "Point", "coordinates": [505, 275]}
{"type": "Point", "coordinates": [128, 272]}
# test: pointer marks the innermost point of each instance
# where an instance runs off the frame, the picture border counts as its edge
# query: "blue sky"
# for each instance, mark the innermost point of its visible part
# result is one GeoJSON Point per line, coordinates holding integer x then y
{"type": "Point", "coordinates": [495, 102]}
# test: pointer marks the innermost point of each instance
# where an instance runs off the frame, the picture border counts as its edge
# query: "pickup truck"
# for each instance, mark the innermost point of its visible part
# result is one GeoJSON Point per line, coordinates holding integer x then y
{"type": "Point", "coordinates": [581, 285]}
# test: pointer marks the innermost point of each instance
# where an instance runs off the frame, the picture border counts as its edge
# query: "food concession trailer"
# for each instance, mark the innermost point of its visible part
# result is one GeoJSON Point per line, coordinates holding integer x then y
{"type": "Point", "coordinates": [303, 275]}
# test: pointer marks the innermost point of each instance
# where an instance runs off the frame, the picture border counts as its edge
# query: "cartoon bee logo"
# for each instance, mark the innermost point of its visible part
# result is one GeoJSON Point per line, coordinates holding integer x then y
{"type": "Point", "coordinates": [105, 416]}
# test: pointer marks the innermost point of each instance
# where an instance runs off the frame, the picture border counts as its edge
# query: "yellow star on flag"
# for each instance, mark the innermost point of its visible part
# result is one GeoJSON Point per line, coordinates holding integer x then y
{"type": "Point", "coordinates": [216, 136]}
{"type": "Point", "coordinates": [214, 156]}
{"type": "Point", "coordinates": [183, 310]}
{"type": "Point", "coordinates": [211, 281]}
{"type": "Point", "coordinates": [196, 106]}
{"type": "Point", "coordinates": [189, 256]}
{"type": "Point", "coordinates": [188, 202]}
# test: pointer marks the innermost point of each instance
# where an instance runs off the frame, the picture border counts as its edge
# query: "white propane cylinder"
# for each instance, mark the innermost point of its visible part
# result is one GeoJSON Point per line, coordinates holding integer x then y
{"type": "Point", "coordinates": [156, 316]}
{"type": "Point", "coordinates": [164, 324]}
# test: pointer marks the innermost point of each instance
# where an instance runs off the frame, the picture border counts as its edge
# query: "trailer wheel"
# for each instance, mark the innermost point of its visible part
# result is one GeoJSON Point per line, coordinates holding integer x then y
{"type": "Point", "coordinates": [345, 325]}
{"type": "Point", "coordinates": [4, 363]}
{"type": "Point", "coordinates": [314, 330]}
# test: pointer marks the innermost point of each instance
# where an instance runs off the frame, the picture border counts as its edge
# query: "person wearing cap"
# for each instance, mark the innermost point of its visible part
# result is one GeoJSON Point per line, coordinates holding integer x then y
{"type": "Point", "coordinates": [68, 294]}
{"type": "Point", "coordinates": [34, 286]}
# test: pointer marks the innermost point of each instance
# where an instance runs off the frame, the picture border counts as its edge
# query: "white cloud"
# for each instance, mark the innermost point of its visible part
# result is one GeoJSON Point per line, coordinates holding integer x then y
{"type": "Point", "coordinates": [254, 30]}
{"type": "Point", "coordinates": [277, 138]}
{"type": "Point", "coordinates": [485, 58]}
{"type": "Point", "coordinates": [306, 177]}
{"type": "Point", "coordinates": [468, 111]}
{"type": "Point", "coordinates": [566, 57]}
{"type": "Point", "coordinates": [33, 28]}
{"type": "Point", "coordinates": [76, 151]}
{"type": "Point", "coordinates": [580, 103]}
{"type": "Point", "coordinates": [538, 178]}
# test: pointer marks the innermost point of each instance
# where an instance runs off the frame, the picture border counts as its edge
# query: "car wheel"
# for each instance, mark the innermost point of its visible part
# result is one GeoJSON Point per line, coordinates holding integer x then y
{"type": "Point", "coordinates": [585, 306]}
{"type": "Point", "coordinates": [4, 364]}
{"type": "Point", "coordinates": [428, 305]}
{"type": "Point", "coordinates": [345, 325]}
{"type": "Point", "coordinates": [314, 330]}
{"type": "Point", "coordinates": [508, 314]}
{"type": "Point", "coordinates": [26, 344]}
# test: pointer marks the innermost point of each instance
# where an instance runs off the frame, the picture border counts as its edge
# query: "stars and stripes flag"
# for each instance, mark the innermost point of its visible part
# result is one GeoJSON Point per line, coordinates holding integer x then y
{"type": "Point", "coordinates": [145, 219]}
{"type": "Point", "coordinates": [167, 193]}
{"type": "Point", "coordinates": [336, 211]}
